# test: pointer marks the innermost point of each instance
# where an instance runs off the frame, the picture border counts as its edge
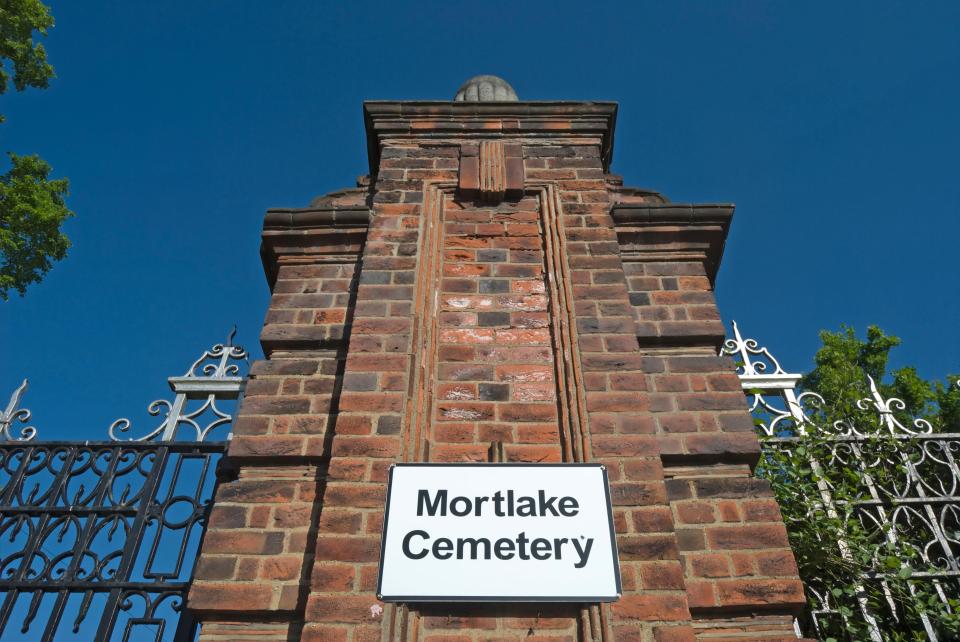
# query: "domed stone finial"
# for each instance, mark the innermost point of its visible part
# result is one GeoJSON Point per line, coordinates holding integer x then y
{"type": "Point", "coordinates": [486, 89]}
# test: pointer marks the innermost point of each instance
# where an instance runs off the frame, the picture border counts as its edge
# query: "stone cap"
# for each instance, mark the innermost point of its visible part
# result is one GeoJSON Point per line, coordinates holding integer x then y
{"type": "Point", "coordinates": [442, 120]}
{"type": "Point", "coordinates": [674, 232]}
{"type": "Point", "coordinates": [312, 235]}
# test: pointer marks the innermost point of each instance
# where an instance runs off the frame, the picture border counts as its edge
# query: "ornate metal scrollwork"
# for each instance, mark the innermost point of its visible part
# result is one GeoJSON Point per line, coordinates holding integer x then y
{"type": "Point", "coordinates": [214, 377]}
{"type": "Point", "coordinates": [914, 503]}
{"type": "Point", "coordinates": [15, 413]}
{"type": "Point", "coordinates": [98, 540]}
{"type": "Point", "coordinates": [754, 359]}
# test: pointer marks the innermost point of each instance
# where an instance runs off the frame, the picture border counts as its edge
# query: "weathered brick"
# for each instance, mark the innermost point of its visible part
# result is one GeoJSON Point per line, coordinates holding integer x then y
{"type": "Point", "coordinates": [332, 578]}
{"type": "Point", "coordinates": [647, 547]}
{"type": "Point", "coordinates": [650, 607]}
{"type": "Point", "coordinates": [339, 608]}
{"type": "Point", "coordinates": [758, 593]}
{"type": "Point", "coordinates": [696, 512]}
{"type": "Point", "coordinates": [747, 536]}
{"type": "Point", "coordinates": [230, 597]}
{"type": "Point", "coordinates": [348, 549]}
{"type": "Point", "coordinates": [215, 568]}
{"type": "Point", "coordinates": [255, 491]}
{"type": "Point", "coordinates": [732, 487]}
{"type": "Point", "coordinates": [243, 542]}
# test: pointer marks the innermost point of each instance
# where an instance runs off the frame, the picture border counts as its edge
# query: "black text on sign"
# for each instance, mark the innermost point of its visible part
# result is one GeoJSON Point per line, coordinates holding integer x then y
{"type": "Point", "coordinates": [504, 532]}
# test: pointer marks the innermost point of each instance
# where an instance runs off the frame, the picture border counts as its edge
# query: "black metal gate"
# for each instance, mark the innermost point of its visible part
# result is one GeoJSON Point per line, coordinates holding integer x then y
{"type": "Point", "coordinates": [102, 533]}
{"type": "Point", "coordinates": [98, 540]}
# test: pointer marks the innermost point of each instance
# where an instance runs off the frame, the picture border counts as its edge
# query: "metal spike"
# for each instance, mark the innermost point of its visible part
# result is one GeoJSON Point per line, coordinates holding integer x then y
{"type": "Point", "coordinates": [32, 611]}
{"type": "Point", "coordinates": [15, 398]}
{"type": "Point", "coordinates": [13, 413]}
{"type": "Point", "coordinates": [84, 608]}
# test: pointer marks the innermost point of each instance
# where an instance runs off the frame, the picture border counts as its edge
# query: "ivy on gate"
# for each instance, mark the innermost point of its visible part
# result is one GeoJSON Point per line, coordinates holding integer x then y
{"type": "Point", "coordinates": [864, 465]}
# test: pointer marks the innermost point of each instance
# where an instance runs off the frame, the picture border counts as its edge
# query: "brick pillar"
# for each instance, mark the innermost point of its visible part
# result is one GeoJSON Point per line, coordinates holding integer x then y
{"type": "Point", "coordinates": [495, 295]}
{"type": "Point", "coordinates": [739, 573]}
{"type": "Point", "coordinates": [258, 550]}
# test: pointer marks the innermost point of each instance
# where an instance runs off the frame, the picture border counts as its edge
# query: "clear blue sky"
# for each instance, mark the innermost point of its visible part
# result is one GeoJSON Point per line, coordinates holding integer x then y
{"type": "Point", "coordinates": [832, 126]}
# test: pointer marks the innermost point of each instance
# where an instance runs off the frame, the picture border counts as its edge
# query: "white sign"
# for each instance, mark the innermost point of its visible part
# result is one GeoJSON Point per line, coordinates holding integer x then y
{"type": "Point", "coordinates": [498, 532]}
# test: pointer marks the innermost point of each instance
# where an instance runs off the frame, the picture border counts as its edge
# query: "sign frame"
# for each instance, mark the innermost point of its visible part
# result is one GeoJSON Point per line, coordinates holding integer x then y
{"type": "Point", "coordinates": [580, 599]}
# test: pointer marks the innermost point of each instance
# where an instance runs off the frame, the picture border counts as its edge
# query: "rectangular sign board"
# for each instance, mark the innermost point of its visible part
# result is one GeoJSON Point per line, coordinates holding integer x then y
{"type": "Point", "coordinates": [498, 532]}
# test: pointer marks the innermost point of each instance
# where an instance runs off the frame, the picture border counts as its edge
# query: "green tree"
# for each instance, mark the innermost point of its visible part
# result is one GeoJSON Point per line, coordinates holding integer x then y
{"type": "Point", "coordinates": [838, 376]}
{"type": "Point", "coordinates": [821, 483]}
{"type": "Point", "coordinates": [32, 206]}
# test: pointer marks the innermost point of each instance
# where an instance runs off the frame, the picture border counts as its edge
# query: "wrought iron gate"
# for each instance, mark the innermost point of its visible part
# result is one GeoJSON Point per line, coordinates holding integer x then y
{"type": "Point", "coordinates": [98, 540]}
{"type": "Point", "coordinates": [909, 495]}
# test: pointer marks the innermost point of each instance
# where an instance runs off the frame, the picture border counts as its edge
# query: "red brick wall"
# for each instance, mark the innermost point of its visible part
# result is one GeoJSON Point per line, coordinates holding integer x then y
{"type": "Point", "coordinates": [497, 312]}
{"type": "Point", "coordinates": [495, 373]}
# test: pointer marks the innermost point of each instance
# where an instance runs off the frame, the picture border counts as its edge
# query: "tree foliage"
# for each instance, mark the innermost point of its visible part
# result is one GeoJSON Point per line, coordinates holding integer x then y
{"type": "Point", "coordinates": [18, 20]}
{"type": "Point", "coordinates": [849, 553]}
{"type": "Point", "coordinates": [32, 206]}
{"type": "Point", "coordinates": [838, 376]}
{"type": "Point", "coordinates": [32, 209]}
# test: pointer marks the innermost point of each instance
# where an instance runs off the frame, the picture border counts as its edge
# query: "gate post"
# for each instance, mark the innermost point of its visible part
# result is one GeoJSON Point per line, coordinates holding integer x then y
{"type": "Point", "coordinates": [493, 292]}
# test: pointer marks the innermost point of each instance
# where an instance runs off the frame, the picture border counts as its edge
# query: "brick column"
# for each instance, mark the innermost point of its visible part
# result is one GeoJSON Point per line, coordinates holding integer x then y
{"type": "Point", "coordinates": [342, 604]}
{"type": "Point", "coordinates": [739, 572]}
{"type": "Point", "coordinates": [258, 549]}
{"type": "Point", "coordinates": [495, 296]}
